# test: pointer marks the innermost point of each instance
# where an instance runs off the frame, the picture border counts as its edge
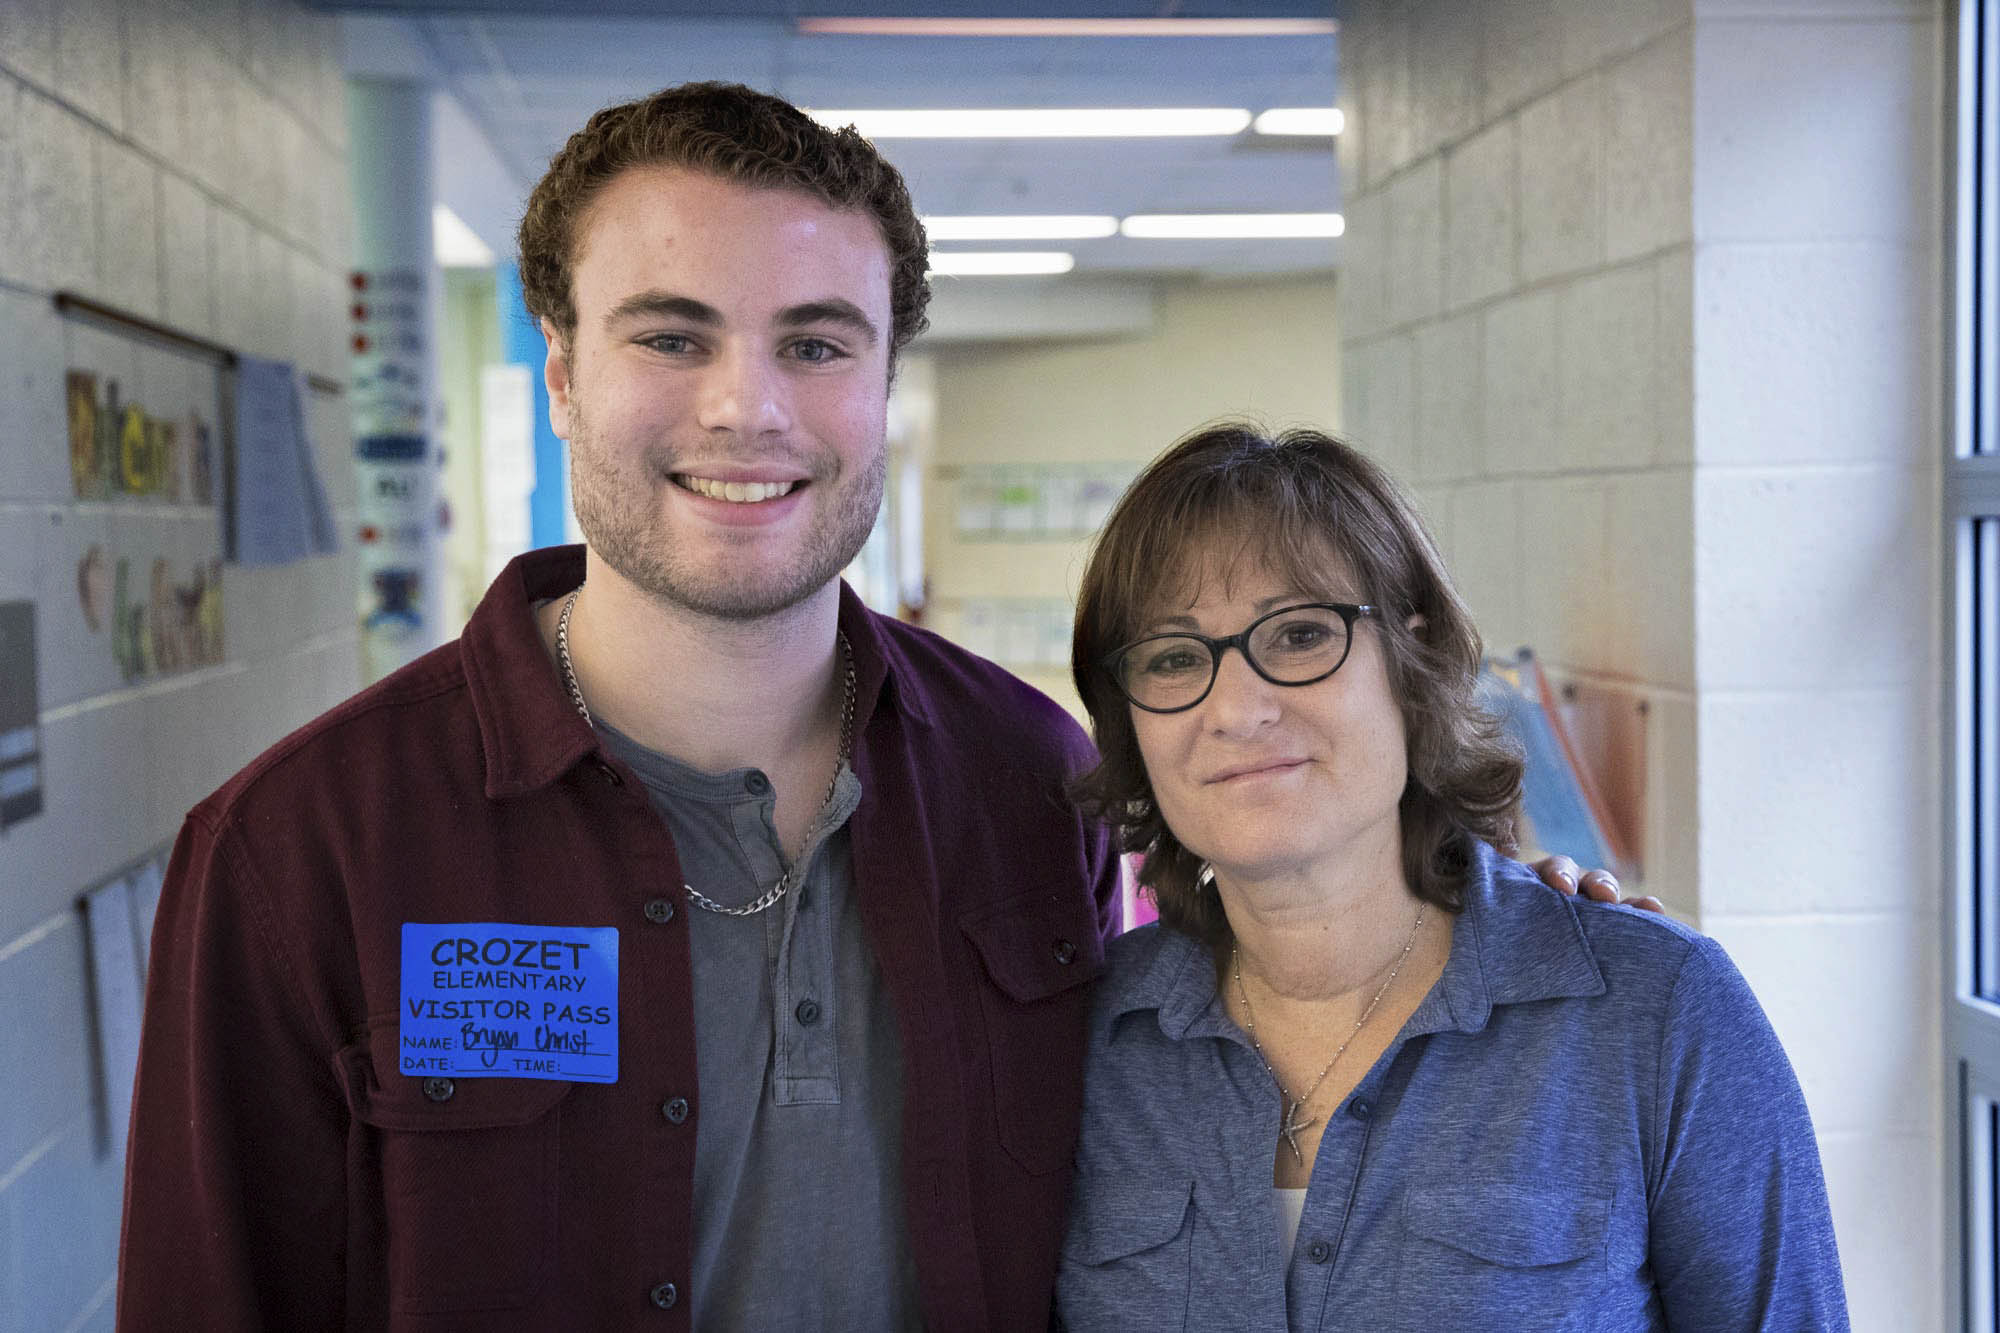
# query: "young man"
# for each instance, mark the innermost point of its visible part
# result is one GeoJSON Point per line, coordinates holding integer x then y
{"type": "Point", "coordinates": [685, 945]}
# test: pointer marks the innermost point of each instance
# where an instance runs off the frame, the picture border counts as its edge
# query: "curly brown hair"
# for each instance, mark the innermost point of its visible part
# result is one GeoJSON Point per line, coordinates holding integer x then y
{"type": "Point", "coordinates": [1312, 509]}
{"type": "Point", "coordinates": [741, 135]}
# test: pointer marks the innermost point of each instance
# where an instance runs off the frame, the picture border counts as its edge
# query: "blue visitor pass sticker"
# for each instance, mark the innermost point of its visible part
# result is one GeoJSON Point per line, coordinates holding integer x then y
{"type": "Point", "coordinates": [484, 999]}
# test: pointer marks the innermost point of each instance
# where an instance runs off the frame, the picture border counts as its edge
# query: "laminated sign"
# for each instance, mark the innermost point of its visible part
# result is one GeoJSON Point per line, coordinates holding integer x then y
{"type": "Point", "coordinates": [484, 999]}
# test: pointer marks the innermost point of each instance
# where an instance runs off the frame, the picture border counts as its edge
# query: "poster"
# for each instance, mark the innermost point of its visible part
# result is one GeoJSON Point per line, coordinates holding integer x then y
{"type": "Point", "coordinates": [1038, 501]}
{"type": "Point", "coordinates": [278, 511]}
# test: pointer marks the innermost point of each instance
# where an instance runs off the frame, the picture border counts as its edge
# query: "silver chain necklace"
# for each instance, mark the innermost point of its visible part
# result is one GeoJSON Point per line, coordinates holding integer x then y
{"type": "Point", "coordinates": [1292, 1124]}
{"type": "Point", "coordinates": [778, 890]}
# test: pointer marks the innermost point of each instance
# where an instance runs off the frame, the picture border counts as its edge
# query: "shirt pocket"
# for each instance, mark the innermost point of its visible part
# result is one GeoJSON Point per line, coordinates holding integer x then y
{"type": "Point", "coordinates": [1503, 1255]}
{"type": "Point", "coordinates": [468, 1180]}
{"type": "Point", "coordinates": [1127, 1259]}
{"type": "Point", "coordinates": [1038, 952]}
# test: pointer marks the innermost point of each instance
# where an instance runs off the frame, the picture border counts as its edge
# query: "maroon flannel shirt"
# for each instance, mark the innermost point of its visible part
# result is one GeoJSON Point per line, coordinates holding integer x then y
{"type": "Point", "coordinates": [283, 1173]}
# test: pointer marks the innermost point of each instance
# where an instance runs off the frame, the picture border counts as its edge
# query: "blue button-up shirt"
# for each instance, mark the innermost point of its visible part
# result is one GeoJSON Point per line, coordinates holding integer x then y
{"type": "Point", "coordinates": [1587, 1123]}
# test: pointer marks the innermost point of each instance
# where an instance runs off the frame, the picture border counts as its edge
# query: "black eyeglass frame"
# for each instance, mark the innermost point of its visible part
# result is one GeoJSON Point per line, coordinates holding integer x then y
{"type": "Point", "coordinates": [1349, 612]}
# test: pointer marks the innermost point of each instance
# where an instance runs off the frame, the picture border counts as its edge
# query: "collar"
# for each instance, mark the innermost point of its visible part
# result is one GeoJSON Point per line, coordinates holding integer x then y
{"type": "Point", "coordinates": [530, 731]}
{"type": "Point", "coordinates": [1516, 942]}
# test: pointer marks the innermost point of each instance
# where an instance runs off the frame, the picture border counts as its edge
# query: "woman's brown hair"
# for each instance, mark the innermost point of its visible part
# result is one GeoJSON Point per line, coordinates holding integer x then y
{"type": "Point", "coordinates": [1313, 510]}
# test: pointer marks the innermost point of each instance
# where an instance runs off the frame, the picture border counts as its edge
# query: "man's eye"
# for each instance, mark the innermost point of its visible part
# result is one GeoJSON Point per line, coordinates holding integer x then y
{"type": "Point", "coordinates": [815, 350]}
{"type": "Point", "coordinates": [671, 344]}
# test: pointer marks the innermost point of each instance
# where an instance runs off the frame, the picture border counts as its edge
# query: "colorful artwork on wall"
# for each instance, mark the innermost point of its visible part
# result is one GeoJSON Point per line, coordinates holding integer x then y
{"type": "Point", "coordinates": [120, 449]}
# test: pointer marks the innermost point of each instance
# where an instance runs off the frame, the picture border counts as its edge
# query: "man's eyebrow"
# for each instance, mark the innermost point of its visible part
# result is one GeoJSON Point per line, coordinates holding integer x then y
{"type": "Point", "coordinates": [833, 310]}
{"type": "Point", "coordinates": [665, 305]}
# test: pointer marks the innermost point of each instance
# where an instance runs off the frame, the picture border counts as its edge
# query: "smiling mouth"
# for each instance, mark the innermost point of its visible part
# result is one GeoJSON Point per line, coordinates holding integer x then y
{"type": "Point", "coordinates": [1262, 770]}
{"type": "Point", "coordinates": [735, 492]}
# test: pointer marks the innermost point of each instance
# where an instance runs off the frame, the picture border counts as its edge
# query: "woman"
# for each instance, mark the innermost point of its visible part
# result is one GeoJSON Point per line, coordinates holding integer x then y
{"type": "Point", "coordinates": [1366, 1073]}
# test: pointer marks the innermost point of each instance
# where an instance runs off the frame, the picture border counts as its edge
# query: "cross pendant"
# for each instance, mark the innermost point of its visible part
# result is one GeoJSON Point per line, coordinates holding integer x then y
{"type": "Point", "coordinates": [1290, 1129]}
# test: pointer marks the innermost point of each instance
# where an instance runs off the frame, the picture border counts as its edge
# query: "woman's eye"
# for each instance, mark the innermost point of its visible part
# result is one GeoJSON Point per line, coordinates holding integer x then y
{"type": "Point", "coordinates": [1301, 636]}
{"type": "Point", "coordinates": [1173, 662]}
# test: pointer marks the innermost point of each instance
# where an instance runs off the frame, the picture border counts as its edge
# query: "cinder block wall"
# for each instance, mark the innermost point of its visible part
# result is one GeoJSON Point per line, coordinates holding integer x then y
{"type": "Point", "coordinates": [186, 162]}
{"type": "Point", "coordinates": [1644, 296]}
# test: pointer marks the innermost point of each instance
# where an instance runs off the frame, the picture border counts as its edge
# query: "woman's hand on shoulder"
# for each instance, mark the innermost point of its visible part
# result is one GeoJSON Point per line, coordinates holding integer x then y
{"type": "Point", "coordinates": [1600, 886]}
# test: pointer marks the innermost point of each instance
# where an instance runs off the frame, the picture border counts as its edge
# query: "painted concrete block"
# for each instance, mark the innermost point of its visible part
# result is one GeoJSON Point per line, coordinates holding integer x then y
{"type": "Point", "coordinates": [1388, 122]}
{"type": "Point", "coordinates": [156, 115]}
{"type": "Point", "coordinates": [1671, 858]}
{"type": "Point", "coordinates": [1379, 403]}
{"type": "Point", "coordinates": [1886, 1219]}
{"type": "Point", "coordinates": [1854, 1000]}
{"type": "Point", "coordinates": [1520, 385]}
{"type": "Point", "coordinates": [211, 91]}
{"type": "Point", "coordinates": [33, 442]}
{"type": "Point", "coordinates": [1830, 795]}
{"type": "Point", "coordinates": [1479, 185]}
{"type": "Point", "coordinates": [1814, 580]}
{"type": "Point", "coordinates": [45, 1039]}
{"type": "Point", "coordinates": [1817, 353]}
{"type": "Point", "coordinates": [1562, 181]}
{"type": "Point", "coordinates": [1448, 399]}
{"type": "Point", "coordinates": [28, 41]}
{"type": "Point", "coordinates": [1486, 559]}
{"type": "Point", "coordinates": [1673, 349]}
{"type": "Point", "coordinates": [186, 272]}
{"type": "Point", "coordinates": [1607, 370]}
{"type": "Point", "coordinates": [1565, 592]}
{"type": "Point", "coordinates": [1364, 271]}
{"type": "Point", "coordinates": [1649, 147]}
{"type": "Point", "coordinates": [128, 237]}
{"type": "Point", "coordinates": [1804, 131]}
{"type": "Point", "coordinates": [1520, 52]}
{"type": "Point", "coordinates": [1444, 72]}
{"type": "Point", "coordinates": [1416, 243]}
{"type": "Point", "coordinates": [90, 59]}
{"type": "Point", "coordinates": [1594, 31]}
{"type": "Point", "coordinates": [54, 224]}
{"type": "Point", "coordinates": [11, 265]}
{"type": "Point", "coordinates": [1645, 627]}
{"type": "Point", "coordinates": [235, 285]}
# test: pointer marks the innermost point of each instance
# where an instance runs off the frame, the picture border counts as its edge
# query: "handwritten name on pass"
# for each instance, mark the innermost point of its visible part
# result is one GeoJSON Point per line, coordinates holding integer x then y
{"type": "Point", "coordinates": [484, 999]}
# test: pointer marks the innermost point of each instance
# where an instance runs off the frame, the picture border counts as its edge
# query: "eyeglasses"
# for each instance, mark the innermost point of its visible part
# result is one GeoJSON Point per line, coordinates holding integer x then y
{"type": "Point", "coordinates": [1293, 645]}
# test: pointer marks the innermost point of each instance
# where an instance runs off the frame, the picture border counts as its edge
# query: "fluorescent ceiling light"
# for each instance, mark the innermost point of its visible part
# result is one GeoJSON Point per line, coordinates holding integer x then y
{"type": "Point", "coordinates": [455, 244]}
{"type": "Point", "coordinates": [999, 228]}
{"type": "Point", "coordinates": [1058, 27]}
{"type": "Point", "coordinates": [1233, 226]}
{"type": "Point", "coordinates": [1042, 122]}
{"type": "Point", "coordinates": [1002, 263]}
{"type": "Point", "coordinates": [1314, 120]}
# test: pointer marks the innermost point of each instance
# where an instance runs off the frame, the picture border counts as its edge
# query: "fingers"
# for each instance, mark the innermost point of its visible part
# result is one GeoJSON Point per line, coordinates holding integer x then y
{"type": "Point", "coordinates": [1600, 886]}
{"type": "Point", "coordinates": [1648, 904]}
{"type": "Point", "coordinates": [1558, 872]}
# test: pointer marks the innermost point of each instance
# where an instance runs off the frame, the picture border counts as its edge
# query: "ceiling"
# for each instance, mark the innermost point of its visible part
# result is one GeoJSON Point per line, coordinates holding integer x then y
{"type": "Point", "coordinates": [527, 73]}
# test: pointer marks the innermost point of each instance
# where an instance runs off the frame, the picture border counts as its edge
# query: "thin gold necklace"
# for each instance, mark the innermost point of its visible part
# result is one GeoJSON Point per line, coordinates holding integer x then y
{"type": "Point", "coordinates": [1292, 1124]}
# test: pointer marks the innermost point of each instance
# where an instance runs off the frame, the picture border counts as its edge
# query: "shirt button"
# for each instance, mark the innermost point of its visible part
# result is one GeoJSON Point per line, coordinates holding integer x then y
{"type": "Point", "coordinates": [676, 1110]}
{"type": "Point", "coordinates": [660, 911]}
{"type": "Point", "coordinates": [1319, 1251]}
{"type": "Point", "coordinates": [1361, 1108]}
{"type": "Point", "coordinates": [1065, 952]}
{"type": "Point", "coordinates": [666, 1295]}
{"type": "Point", "coordinates": [439, 1089]}
{"type": "Point", "coordinates": [756, 784]}
{"type": "Point", "coordinates": [808, 1012]}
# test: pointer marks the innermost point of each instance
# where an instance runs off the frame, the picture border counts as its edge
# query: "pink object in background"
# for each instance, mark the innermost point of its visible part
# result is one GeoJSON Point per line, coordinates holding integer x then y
{"type": "Point", "coordinates": [1136, 908]}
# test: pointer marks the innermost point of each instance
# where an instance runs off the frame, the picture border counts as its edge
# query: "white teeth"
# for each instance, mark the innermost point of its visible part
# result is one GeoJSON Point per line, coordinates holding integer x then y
{"type": "Point", "coordinates": [736, 492]}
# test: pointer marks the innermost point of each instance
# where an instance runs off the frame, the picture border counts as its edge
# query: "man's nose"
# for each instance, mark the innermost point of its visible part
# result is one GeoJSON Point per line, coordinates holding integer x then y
{"type": "Point", "coordinates": [743, 393]}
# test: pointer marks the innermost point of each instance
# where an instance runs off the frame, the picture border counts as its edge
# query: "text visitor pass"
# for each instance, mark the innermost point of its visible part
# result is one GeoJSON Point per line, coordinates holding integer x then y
{"type": "Point", "coordinates": [484, 999]}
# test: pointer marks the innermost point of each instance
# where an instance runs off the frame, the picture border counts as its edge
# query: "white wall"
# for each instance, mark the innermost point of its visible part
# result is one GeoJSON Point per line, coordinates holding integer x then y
{"type": "Point", "coordinates": [188, 163]}
{"type": "Point", "coordinates": [1645, 295]}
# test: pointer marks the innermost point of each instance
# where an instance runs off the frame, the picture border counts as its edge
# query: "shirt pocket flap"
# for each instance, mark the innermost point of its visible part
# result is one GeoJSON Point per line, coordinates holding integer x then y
{"type": "Point", "coordinates": [1511, 1225]}
{"type": "Point", "coordinates": [1113, 1218]}
{"type": "Point", "coordinates": [1037, 946]}
{"type": "Point", "coordinates": [380, 1094]}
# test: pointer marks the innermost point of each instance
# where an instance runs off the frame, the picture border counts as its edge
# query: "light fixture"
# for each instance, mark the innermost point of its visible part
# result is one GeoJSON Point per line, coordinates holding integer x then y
{"type": "Point", "coordinates": [1319, 121]}
{"type": "Point", "coordinates": [454, 244]}
{"type": "Point", "coordinates": [1002, 228]}
{"type": "Point", "coordinates": [1002, 263]}
{"type": "Point", "coordinates": [1233, 226]}
{"type": "Point", "coordinates": [1060, 27]}
{"type": "Point", "coordinates": [1042, 122]}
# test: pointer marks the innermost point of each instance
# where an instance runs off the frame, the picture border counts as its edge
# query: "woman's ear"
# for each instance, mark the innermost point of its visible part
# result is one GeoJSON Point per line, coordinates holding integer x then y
{"type": "Point", "coordinates": [1415, 623]}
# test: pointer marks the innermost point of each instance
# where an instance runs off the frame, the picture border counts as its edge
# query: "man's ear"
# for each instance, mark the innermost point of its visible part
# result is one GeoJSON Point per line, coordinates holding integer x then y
{"type": "Point", "coordinates": [556, 374]}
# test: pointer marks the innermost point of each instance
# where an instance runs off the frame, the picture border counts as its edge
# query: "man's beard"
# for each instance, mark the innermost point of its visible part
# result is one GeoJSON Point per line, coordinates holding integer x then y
{"type": "Point", "coordinates": [622, 521]}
